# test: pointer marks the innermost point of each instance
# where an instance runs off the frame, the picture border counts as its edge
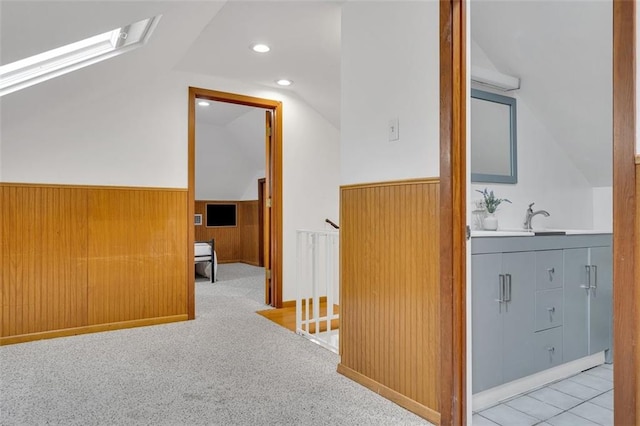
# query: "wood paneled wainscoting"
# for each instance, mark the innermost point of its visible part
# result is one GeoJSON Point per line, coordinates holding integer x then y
{"type": "Point", "coordinates": [233, 243]}
{"type": "Point", "coordinates": [79, 259]}
{"type": "Point", "coordinates": [390, 291]}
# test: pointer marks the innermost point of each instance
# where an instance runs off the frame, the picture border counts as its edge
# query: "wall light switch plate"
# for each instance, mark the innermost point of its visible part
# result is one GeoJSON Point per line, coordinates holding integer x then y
{"type": "Point", "coordinates": [394, 129]}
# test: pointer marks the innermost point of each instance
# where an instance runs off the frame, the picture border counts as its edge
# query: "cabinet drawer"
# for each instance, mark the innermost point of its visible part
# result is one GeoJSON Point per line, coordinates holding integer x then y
{"type": "Point", "coordinates": [548, 348]}
{"type": "Point", "coordinates": [549, 312]}
{"type": "Point", "coordinates": [549, 269]}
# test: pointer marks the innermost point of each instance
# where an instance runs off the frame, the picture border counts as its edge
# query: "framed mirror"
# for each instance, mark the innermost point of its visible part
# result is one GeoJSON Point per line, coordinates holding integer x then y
{"type": "Point", "coordinates": [493, 138]}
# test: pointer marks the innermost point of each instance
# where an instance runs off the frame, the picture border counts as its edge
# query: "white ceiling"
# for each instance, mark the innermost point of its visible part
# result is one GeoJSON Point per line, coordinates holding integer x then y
{"type": "Point", "coordinates": [561, 50]}
{"type": "Point", "coordinates": [305, 47]}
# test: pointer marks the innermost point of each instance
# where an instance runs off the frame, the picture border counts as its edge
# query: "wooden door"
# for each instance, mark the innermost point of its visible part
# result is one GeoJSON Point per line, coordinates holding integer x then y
{"type": "Point", "coordinates": [268, 288]}
{"type": "Point", "coordinates": [261, 202]}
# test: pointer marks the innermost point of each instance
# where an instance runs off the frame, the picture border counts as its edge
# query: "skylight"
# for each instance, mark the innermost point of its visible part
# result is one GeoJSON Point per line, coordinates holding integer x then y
{"type": "Point", "coordinates": [62, 60]}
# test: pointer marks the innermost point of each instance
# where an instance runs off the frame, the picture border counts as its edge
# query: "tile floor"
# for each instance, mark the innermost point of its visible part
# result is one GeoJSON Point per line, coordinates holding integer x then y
{"type": "Point", "coordinates": [585, 399]}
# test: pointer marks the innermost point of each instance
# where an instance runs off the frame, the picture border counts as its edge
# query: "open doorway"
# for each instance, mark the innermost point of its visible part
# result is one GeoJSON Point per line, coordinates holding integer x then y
{"type": "Point", "coordinates": [453, 170]}
{"type": "Point", "coordinates": [271, 194]}
{"type": "Point", "coordinates": [552, 287]}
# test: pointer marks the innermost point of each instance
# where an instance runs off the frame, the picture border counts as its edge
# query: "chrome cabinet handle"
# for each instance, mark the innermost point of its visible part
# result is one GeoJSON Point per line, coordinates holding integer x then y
{"type": "Point", "coordinates": [551, 310]}
{"type": "Point", "coordinates": [500, 298]}
{"type": "Point", "coordinates": [595, 279]}
{"type": "Point", "coordinates": [588, 285]}
{"type": "Point", "coordinates": [507, 297]}
{"type": "Point", "coordinates": [551, 271]}
{"type": "Point", "coordinates": [551, 350]}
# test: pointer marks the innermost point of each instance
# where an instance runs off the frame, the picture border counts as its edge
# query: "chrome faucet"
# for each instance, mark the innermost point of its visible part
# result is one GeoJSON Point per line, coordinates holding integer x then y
{"type": "Point", "coordinates": [531, 214]}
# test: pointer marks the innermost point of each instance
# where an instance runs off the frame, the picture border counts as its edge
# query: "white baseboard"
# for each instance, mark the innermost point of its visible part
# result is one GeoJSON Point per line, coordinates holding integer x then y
{"type": "Point", "coordinates": [493, 396]}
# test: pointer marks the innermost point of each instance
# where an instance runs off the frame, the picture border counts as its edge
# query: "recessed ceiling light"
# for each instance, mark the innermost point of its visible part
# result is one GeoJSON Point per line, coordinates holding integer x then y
{"type": "Point", "coordinates": [260, 48]}
{"type": "Point", "coordinates": [284, 82]}
{"type": "Point", "coordinates": [203, 103]}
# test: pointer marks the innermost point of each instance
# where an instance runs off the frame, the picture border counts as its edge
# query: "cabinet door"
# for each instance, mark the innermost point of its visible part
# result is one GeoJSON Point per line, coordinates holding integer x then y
{"type": "Point", "coordinates": [486, 321]}
{"type": "Point", "coordinates": [600, 299]}
{"type": "Point", "coordinates": [575, 339]}
{"type": "Point", "coordinates": [519, 316]}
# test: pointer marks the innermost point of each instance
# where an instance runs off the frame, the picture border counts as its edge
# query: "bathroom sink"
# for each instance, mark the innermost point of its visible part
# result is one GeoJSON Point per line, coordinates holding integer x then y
{"type": "Point", "coordinates": [502, 233]}
{"type": "Point", "coordinates": [548, 232]}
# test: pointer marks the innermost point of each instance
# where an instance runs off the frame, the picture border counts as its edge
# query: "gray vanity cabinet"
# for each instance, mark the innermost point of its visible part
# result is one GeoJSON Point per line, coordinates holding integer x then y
{"type": "Point", "coordinates": [503, 317]}
{"type": "Point", "coordinates": [587, 301]}
{"type": "Point", "coordinates": [538, 302]}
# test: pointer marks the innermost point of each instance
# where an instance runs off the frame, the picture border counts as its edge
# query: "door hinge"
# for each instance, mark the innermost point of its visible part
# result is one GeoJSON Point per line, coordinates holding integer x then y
{"type": "Point", "coordinates": [468, 232]}
{"type": "Point", "coordinates": [269, 202]}
{"type": "Point", "coordinates": [269, 131]}
{"type": "Point", "coordinates": [268, 273]}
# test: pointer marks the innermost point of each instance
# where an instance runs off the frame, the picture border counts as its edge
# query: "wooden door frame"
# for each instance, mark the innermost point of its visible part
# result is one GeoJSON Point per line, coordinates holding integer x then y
{"type": "Point", "coordinates": [453, 216]}
{"type": "Point", "coordinates": [261, 189]}
{"type": "Point", "coordinates": [626, 327]}
{"type": "Point", "coordinates": [626, 324]}
{"type": "Point", "coordinates": [276, 185]}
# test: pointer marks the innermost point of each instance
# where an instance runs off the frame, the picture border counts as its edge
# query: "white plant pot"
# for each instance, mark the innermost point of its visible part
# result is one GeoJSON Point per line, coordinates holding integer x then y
{"type": "Point", "coordinates": [490, 223]}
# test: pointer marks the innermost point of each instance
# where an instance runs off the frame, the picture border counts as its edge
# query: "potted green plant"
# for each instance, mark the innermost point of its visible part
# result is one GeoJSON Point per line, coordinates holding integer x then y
{"type": "Point", "coordinates": [491, 203]}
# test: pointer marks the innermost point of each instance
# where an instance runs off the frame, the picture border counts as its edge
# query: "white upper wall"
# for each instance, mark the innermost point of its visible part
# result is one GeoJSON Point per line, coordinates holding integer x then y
{"type": "Point", "coordinates": [222, 169]}
{"type": "Point", "coordinates": [603, 208]}
{"type": "Point", "coordinates": [389, 69]}
{"type": "Point", "coordinates": [547, 176]}
{"type": "Point", "coordinates": [131, 137]}
{"type": "Point", "coordinates": [229, 159]}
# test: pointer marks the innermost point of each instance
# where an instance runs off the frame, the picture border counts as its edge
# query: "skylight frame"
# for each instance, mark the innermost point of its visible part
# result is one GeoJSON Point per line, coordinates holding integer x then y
{"type": "Point", "coordinates": [62, 60]}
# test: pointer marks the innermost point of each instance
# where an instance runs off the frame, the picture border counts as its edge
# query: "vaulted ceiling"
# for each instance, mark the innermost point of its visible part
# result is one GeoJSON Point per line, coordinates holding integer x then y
{"type": "Point", "coordinates": [202, 37]}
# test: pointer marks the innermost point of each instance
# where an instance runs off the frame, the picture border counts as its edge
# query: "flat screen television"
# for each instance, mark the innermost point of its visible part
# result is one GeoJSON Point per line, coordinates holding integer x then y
{"type": "Point", "coordinates": [222, 214]}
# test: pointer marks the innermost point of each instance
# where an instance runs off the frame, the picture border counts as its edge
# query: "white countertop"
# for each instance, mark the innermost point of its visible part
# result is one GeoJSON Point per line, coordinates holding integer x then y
{"type": "Point", "coordinates": [523, 233]}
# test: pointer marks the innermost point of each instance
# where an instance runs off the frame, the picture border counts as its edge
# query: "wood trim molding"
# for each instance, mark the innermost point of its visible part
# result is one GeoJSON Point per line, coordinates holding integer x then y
{"type": "Point", "coordinates": [292, 303]}
{"type": "Point", "coordinates": [190, 279]}
{"type": "Point", "coordinates": [390, 183]}
{"type": "Point", "coordinates": [65, 186]}
{"type": "Point", "coordinates": [289, 304]}
{"type": "Point", "coordinates": [276, 183]}
{"type": "Point", "coordinates": [90, 329]}
{"type": "Point", "coordinates": [390, 394]}
{"type": "Point", "coordinates": [625, 209]}
{"type": "Point", "coordinates": [233, 98]}
{"type": "Point", "coordinates": [453, 211]}
{"type": "Point", "coordinates": [276, 209]}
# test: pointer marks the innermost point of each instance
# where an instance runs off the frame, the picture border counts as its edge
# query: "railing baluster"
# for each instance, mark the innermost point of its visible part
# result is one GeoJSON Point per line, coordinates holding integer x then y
{"type": "Point", "coordinates": [317, 275]}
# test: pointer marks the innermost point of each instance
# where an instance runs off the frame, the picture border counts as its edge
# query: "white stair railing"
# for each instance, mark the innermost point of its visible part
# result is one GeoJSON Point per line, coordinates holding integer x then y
{"type": "Point", "coordinates": [318, 287]}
